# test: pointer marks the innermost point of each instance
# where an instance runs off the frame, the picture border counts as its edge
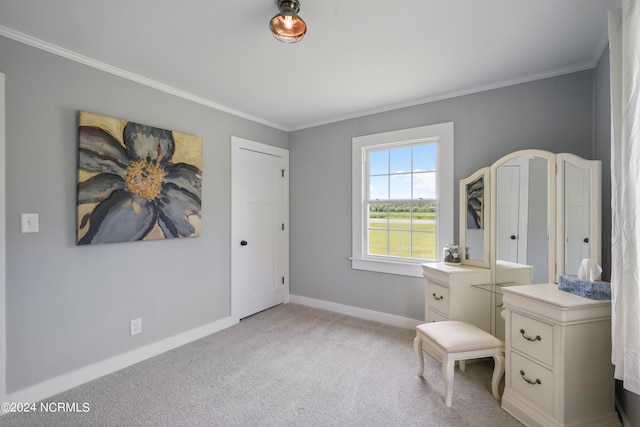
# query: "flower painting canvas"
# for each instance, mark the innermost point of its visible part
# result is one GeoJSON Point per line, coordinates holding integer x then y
{"type": "Point", "coordinates": [136, 182]}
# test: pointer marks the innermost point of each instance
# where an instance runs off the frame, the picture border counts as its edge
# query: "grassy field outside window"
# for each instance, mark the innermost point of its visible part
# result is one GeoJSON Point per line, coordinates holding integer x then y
{"type": "Point", "coordinates": [408, 232]}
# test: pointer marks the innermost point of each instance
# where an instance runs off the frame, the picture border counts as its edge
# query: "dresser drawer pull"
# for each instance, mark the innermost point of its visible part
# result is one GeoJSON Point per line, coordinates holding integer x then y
{"type": "Point", "coordinates": [441, 297]}
{"type": "Point", "coordinates": [537, 338]}
{"type": "Point", "coordinates": [537, 381]}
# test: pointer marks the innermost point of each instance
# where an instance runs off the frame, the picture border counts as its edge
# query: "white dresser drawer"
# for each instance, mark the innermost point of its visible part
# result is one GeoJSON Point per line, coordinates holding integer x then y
{"type": "Point", "coordinates": [434, 316]}
{"type": "Point", "coordinates": [532, 380]}
{"type": "Point", "coordinates": [532, 338]}
{"type": "Point", "coordinates": [438, 298]}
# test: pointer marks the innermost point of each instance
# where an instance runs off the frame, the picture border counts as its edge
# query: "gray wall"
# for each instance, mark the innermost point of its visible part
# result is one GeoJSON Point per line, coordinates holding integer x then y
{"type": "Point", "coordinates": [554, 114]}
{"type": "Point", "coordinates": [69, 306]}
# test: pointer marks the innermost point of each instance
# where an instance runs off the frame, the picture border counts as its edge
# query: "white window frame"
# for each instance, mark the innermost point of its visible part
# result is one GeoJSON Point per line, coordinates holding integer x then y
{"type": "Point", "coordinates": [443, 134]}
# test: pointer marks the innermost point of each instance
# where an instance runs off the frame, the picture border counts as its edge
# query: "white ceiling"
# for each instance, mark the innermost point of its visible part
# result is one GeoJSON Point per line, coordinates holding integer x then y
{"type": "Point", "coordinates": [358, 57]}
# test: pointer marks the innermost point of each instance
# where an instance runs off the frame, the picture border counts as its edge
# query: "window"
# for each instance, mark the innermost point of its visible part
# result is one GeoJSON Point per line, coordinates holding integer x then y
{"type": "Point", "coordinates": [402, 198]}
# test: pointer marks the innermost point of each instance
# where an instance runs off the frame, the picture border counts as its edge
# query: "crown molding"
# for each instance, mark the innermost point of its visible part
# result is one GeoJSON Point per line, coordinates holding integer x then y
{"type": "Point", "coordinates": [600, 49]}
{"type": "Point", "coordinates": [85, 60]}
{"type": "Point", "coordinates": [448, 95]}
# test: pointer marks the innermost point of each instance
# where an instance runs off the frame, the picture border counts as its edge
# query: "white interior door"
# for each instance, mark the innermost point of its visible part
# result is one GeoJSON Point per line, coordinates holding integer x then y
{"type": "Point", "coordinates": [259, 227]}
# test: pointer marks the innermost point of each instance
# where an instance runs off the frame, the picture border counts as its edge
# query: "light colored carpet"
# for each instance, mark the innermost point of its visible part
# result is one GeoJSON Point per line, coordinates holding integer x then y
{"type": "Point", "coordinates": [287, 366]}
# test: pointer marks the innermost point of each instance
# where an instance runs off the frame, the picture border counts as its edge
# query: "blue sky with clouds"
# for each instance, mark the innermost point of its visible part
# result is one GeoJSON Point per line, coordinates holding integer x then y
{"type": "Point", "coordinates": [391, 177]}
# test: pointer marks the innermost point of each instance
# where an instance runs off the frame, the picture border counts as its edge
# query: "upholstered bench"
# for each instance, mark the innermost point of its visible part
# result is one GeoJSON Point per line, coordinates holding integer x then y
{"type": "Point", "coordinates": [452, 340]}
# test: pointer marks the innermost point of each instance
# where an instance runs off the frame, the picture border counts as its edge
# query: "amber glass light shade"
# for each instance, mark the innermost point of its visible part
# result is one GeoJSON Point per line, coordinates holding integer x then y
{"type": "Point", "coordinates": [287, 26]}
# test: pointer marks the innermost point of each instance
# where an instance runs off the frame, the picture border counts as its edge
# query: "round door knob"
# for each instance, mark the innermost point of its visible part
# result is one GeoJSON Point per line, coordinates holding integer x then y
{"type": "Point", "coordinates": [243, 243]}
{"type": "Point", "coordinates": [586, 240]}
{"type": "Point", "coordinates": [513, 237]}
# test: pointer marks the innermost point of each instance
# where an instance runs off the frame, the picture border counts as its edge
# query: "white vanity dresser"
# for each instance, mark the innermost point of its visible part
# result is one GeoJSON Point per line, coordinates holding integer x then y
{"type": "Point", "coordinates": [529, 217]}
{"type": "Point", "coordinates": [450, 295]}
{"type": "Point", "coordinates": [558, 356]}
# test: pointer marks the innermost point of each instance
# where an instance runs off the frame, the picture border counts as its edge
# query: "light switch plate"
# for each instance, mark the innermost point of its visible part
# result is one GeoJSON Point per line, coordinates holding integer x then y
{"type": "Point", "coordinates": [29, 223]}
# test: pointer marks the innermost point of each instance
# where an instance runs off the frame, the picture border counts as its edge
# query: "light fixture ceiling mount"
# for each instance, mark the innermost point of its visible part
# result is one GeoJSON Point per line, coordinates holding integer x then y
{"type": "Point", "coordinates": [287, 26]}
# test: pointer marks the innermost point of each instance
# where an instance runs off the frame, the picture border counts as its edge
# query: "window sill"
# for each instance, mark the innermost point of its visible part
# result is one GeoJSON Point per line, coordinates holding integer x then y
{"type": "Point", "coordinates": [389, 267]}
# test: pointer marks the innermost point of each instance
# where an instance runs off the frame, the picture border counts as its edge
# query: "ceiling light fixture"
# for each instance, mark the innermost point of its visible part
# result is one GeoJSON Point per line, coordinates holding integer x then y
{"type": "Point", "coordinates": [287, 26]}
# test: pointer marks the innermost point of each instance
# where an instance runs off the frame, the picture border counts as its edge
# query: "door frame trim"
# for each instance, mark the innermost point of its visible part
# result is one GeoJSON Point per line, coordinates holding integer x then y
{"type": "Point", "coordinates": [238, 143]}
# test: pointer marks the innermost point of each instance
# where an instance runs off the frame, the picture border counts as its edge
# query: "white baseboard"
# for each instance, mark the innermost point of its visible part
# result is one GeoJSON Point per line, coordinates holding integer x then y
{"type": "Point", "coordinates": [91, 372]}
{"type": "Point", "coordinates": [362, 313]}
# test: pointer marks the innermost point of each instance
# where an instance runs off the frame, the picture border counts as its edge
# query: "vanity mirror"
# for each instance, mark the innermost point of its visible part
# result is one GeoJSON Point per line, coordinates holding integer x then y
{"type": "Point", "coordinates": [533, 214]}
{"type": "Point", "coordinates": [579, 212]}
{"type": "Point", "coordinates": [524, 216]}
{"type": "Point", "coordinates": [475, 203]}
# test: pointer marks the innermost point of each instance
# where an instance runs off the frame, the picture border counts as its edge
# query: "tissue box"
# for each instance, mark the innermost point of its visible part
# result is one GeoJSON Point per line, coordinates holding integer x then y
{"type": "Point", "coordinates": [585, 288]}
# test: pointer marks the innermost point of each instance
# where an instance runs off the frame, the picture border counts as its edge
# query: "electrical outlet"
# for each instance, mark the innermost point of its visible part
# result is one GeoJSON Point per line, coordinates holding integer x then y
{"type": "Point", "coordinates": [136, 326]}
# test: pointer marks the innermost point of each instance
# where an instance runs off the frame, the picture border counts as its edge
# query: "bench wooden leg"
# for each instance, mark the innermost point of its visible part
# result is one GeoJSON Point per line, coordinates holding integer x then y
{"type": "Point", "coordinates": [498, 371]}
{"type": "Point", "coordinates": [447, 371]}
{"type": "Point", "coordinates": [417, 346]}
